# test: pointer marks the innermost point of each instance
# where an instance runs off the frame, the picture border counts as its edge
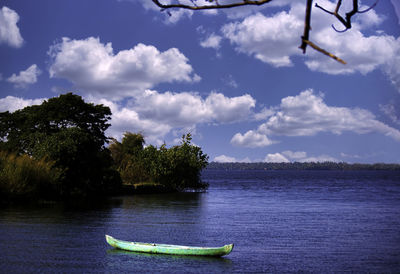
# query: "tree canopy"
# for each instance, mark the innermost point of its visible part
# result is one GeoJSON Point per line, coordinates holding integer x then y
{"type": "Point", "coordinates": [69, 132]}
{"type": "Point", "coordinates": [58, 150]}
{"type": "Point", "coordinates": [175, 168]}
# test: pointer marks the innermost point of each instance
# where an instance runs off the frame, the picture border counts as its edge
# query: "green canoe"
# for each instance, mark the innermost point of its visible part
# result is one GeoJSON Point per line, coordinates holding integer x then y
{"type": "Point", "coordinates": [169, 249]}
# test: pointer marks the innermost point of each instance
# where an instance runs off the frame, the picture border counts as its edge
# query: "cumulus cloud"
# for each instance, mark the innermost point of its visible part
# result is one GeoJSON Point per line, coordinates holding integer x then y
{"type": "Point", "coordinates": [9, 31]}
{"type": "Point", "coordinates": [11, 103]}
{"type": "Point", "coordinates": [157, 114]}
{"type": "Point", "coordinates": [287, 156]}
{"type": "Point", "coordinates": [189, 108]}
{"type": "Point", "coordinates": [25, 77]}
{"type": "Point", "coordinates": [270, 39]}
{"type": "Point", "coordinates": [276, 158]}
{"type": "Point", "coordinates": [306, 115]}
{"type": "Point", "coordinates": [296, 156]}
{"type": "Point", "coordinates": [224, 159]}
{"type": "Point", "coordinates": [212, 41]}
{"type": "Point", "coordinates": [94, 68]}
{"type": "Point", "coordinates": [251, 139]}
{"type": "Point", "coordinates": [227, 159]}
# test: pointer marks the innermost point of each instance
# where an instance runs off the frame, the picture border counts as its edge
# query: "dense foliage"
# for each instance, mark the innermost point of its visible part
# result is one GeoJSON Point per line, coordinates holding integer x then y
{"type": "Point", "coordinates": [24, 177]}
{"type": "Point", "coordinates": [175, 168]}
{"type": "Point", "coordinates": [58, 150]}
{"type": "Point", "coordinates": [70, 134]}
{"type": "Point", "coordinates": [302, 166]}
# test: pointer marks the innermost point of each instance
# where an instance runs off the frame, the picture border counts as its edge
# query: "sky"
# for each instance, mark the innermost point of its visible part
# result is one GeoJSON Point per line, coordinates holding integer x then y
{"type": "Point", "coordinates": [235, 79]}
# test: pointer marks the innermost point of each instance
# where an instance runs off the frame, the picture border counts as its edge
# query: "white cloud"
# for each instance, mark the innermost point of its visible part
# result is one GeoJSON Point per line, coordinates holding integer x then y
{"type": "Point", "coordinates": [270, 39]}
{"type": "Point", "coordinates": [251, 139]}
{"type": "Point", "coordinates": [224, 159]}
{"type": "Point", "coordinates": [297, 156]}
{"type": "Point", "coordinates": [276, 158]}
{"type": "Point", "coordinates": [157, 114]}
{"type": "Point", "coordinates": [95, 69]}
{"type": "Point", "coordinates": [25, 77]}
{"type": "Point", "coordinates": [392, 67]}
{"type": "Point", "coordinates": [392, 111]}
{"type": "Point", "coordinates": [306, 115]}
{"type": "Point", "coordinates": [228, 159]}
{"type": "Point", "coordinates": [264, 114]}
{"type": "Point", "coordinates": [186, 108]}
{"type": "Point", "coordinates": [11, 103]}
{"type": "Point", "coordinates": [362, 54]}
{"type": "Point", "coordinates": [9, 31]}
{"type": "Point", "coordinates": [212, 41]}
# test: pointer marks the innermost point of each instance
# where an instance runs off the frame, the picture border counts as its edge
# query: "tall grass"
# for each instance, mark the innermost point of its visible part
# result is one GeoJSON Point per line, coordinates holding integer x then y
{"type": "Point", "coordinates": [24, 177]}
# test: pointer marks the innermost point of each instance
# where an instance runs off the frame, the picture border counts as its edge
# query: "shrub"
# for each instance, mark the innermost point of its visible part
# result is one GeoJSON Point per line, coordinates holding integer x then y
{"type": "Point", "coordinates": [25, 177]}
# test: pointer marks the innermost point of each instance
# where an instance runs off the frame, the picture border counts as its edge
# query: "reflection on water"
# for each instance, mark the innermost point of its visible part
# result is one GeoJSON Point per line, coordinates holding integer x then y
{"type": "Point", "coordinates": [278, 221]}
{"type": "Point", "coordinates": [136, 255]}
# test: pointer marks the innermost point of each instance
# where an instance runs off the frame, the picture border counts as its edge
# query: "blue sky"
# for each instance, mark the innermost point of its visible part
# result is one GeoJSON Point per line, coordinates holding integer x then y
{"type": "Point", "coordinates": [235, 78]}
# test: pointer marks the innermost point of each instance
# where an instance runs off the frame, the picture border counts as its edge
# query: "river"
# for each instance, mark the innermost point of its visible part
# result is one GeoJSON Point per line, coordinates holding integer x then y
{"type": "Point", "coordinates": [279, 221]}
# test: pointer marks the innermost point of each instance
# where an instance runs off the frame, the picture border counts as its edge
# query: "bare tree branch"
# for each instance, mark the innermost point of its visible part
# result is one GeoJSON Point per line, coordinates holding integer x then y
{"type": "Point", "coordinates": [346, 22]}
{"type": "Point", "coordinates": [307, 26]}
{"type": "Point", "coordinates": [215, 6]}
{"type": "Point", "coordinates": [305, 41]}
{"type": "Point", "coordinates": [327, 53]}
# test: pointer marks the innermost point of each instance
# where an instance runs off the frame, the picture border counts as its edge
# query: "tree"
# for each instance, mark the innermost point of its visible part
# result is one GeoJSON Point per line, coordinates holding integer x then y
{"type": "Point", "coordinates": [305, 41]}
{"type": "Point", "coordinates": [128, 157]}
{"type": "Point", "coordinates": [176, 168]}
{"type": "Point", "coordinates": [69, 132]}
{"type": "Point", "coordinates": [182, 165]}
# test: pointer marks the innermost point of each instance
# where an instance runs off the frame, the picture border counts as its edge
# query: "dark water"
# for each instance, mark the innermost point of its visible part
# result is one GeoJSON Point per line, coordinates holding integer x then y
{"type": "Point", "coordinates": [308, 221]}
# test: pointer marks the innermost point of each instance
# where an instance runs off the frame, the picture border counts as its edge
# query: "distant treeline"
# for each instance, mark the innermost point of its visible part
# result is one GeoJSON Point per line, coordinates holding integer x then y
{"type": "Point", "coordinates": [302, 166]}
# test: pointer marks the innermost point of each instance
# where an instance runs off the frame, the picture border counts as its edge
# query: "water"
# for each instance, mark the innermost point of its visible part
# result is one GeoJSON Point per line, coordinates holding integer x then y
{"type": "Point", "coordinates": [279, 221]}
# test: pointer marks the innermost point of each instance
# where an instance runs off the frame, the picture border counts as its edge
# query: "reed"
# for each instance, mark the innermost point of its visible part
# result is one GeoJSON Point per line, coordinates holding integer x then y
{"type": "Point", "coordinates": [22, 176]}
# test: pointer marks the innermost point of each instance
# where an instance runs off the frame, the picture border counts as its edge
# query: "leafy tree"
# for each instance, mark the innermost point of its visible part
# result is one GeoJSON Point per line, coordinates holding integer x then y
{"type": "Point", "coordinates": [182, 165]}
{"type": "Point", "coordinates": [175, 168]}
{"type": "Point", "coordinates": [128, 158]}
{"type": "Point", "coordinates": [69, 132]}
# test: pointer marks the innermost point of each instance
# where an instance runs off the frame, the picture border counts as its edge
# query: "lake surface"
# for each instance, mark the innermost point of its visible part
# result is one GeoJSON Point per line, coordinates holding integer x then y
{"type": "Point", "coordinates": [279, 221]}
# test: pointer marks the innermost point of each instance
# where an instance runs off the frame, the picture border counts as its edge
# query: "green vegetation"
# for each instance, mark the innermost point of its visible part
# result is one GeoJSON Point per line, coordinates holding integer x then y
{"type": "Point", "coordinates": [57, 150]}
{"type": "Point", "coordinates": [302, 166]}
{"type": "Point", "coordinates": [176, 168]}
{"type": "Point", "coordinates": [69, 133]}
{"type": "Point", "coordinates": [25, 177]}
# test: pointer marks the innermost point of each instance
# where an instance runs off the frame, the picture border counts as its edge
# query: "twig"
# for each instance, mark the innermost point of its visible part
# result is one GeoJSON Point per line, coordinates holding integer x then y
{"type": "Point", "coordinates": [346, 22]}
{"type": "Point", "coordinates": [217, 6]}
{"type": "Point", "coordinates": [317, 48]}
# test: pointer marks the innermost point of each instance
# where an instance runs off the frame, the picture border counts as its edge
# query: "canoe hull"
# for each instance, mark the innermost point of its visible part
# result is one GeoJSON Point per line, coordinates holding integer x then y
{"type": "Point", "coordinates": [169, 249]}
